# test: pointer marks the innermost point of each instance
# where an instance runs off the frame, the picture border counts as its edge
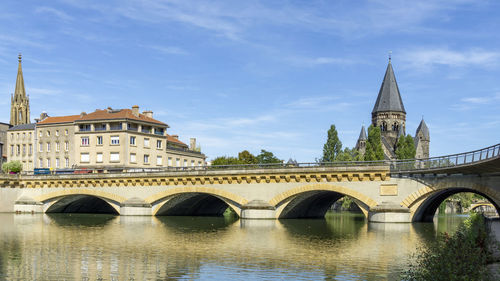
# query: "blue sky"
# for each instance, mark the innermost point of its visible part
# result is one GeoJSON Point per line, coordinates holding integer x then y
{"type": "Point", "coordinates": [257, 75]}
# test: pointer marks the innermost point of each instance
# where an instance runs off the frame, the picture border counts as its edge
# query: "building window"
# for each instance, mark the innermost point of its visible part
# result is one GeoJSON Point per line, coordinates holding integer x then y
{"type": "Point", "coordinates": [48, 147]}
{"type": "Point", "coordinates": [66, 132]}
{"type": "Point", "coordinates": [158, 144]}
{"type": "Point", "coordinates": [17, 136]}
{"type": "Point", "coordinates": [12, 150]}
{"type": "Point", "coordinates": [185, 163]}
{"type": "Point", "coordinates": [99, 140]}
{"type": "Point", "coordinates": [199, 163]}
{"type": "Point", "coordinates": [29, 135]}
{"type": "Point", "coordinates": [132, 140]}
{"type": "Point", "coordinates": [30, 149]}
{"type": "Point", "coordinates": [40, 134]}
{"type": "Point", "coordinates": [57, 162]}
{"type": "Point", "coordinates": [169, 161]}
{"type": "Point", "coordinates": [24, 149]}
{"type": "Point", "coordinates": [114, 157]}
{"type": "Point", "coordinates": [41, 147]}
{"type": "Point", "coordinates": [177, 162]}
{"type": "Point", "coordinates": [159, 160]}
{"type": "Point", "coordinates": [40, 163]}
{"type": "Point", "coordinates": [192, 163]}
{"type": "Point", "coordinates": [48, 162]}
{"type": "Point", "coordinates": [85, 157]}
{"type": "Point", "coordinates": [12, 136]}
{"type": "Point", "coordinates": [115, 140]}
{"type": "Point", "coordinates": [48, 133]}
{"type": "Point", "coordinates": [58, 146]}
{"type": "Point", "coordinates": [98, 158]}
{"type": "Point", "coordinates": [66, 162]}
{"type": "Point", "coordinates": [146, 142]}
{"type": "Point", "coordinates": [66, 146]}
{"type": "Point", "coordinates": [84, 128]}
{"type": "Point", "coordinates": [18, 149]}
{"type": "Point", "coordinates": [146, 159]}
{"type": "Point", "coordinates": [132, 158]}
{"type": "Point", "coordinates": [24, 136]}
{"type": "Point", "coordinates": [57, 133]}
{"type": "Point", "coordinates": [85, 141]}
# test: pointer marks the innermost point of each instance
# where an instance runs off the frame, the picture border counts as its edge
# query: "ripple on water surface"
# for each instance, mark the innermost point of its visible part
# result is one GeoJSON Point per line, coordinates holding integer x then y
{"type": "Point", "coordinates": [105, 247]}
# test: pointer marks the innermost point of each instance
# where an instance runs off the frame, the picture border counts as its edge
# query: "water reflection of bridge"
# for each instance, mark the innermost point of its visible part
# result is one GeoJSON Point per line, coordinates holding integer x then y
{"type": "Point", "coordinates": [394, 191]}
{"type": "Point", "coordinates": [158, 248]}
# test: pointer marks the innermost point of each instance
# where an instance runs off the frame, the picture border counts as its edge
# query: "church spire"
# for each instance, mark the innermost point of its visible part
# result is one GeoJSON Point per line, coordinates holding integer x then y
{"type": "Point", "coordinates": [389, 98]}
{"type": "Point", "coordinates": [20, 108]}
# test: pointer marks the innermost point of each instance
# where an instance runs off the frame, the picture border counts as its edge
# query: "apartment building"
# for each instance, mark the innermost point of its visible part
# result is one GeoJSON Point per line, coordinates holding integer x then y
{"type": "Point", "coordinates": [105, 138]}
{"type": "Point", "coordinates": [20, 144]}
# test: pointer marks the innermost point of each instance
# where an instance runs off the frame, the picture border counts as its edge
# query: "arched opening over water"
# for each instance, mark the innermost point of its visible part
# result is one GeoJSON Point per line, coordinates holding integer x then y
{"type": "Point", "coordinates": [82, 204]}
{"type": "Point", "coordinates": [195, 204]}
{"type": "Point", "coordinates": [427, 210]}
{"type": "Point", "coordinates": [313, 204]}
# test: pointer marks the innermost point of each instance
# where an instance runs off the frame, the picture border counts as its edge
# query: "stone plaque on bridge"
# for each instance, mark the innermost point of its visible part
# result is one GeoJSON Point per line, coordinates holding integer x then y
{"type": "Point", "coordinates": [388, 190]}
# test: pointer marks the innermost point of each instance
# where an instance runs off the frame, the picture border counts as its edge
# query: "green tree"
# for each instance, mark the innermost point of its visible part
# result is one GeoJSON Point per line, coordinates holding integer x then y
{"type": "Point", "coordinates": [332, 147]}
{"type": "Point", "coordinates": [267, 157]}
{"type": "Point", "coordinates": [12, 166]}
{"type": "Point", "coordinates": [374, 149]}
{"type": "Point", "coordinates": [246, 157]}
{"type": "Point", "coordinates": [349, 155]}
{"type": "Point", "coordinates": [405, 148]}
{"type": "Point", "coordinates": [226, 160]}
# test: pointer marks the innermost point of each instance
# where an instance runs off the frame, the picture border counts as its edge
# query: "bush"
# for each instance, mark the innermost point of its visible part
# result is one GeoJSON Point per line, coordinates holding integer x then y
{"type": "Point", "coordinates": [463, 256]}
{"type": "Point", "coordinates": [12, 166]}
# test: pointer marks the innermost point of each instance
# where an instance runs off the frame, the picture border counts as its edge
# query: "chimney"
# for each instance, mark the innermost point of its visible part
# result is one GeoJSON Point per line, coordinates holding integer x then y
{"type": "Point", "coordinates": [43, 115]}
{"type": "Point", "coordinates": [148, 113]}
{"type": "Point", "coordinates": [135, 110]}
{"type": "Point", "coordinates": [175, 137]}
{"type": "Point", "coordinates": [192, 144]}
{"type": "Point", "coordinates": [83, 114]}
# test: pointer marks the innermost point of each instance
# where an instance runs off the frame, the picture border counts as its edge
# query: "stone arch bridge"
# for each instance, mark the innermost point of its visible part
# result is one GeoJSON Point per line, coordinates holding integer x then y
{"type": "Point", "coordinates": [386, 191]}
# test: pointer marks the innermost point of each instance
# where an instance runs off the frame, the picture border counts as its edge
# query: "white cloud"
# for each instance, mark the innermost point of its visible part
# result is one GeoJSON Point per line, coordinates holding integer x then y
{"type": "Point", "coordinates": [169, 50]}
{"type": "Point", "coordinates": [318, 61]}
{"type": "Point", "coordinates": [54, 12]}
{"type": "Point", "coordinates": [427, 58]}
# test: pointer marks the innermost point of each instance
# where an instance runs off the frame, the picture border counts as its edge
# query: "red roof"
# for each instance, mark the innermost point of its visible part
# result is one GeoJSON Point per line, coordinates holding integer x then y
{"type": "Point", "coordinates": [175, 140]}
{"type": "Point", "coordinates": [59, 119]}
{"type": "Point", "coordinates": [103, 114]}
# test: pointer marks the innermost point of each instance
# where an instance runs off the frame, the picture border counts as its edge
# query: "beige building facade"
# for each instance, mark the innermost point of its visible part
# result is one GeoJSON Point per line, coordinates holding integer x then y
{"type": "Point", "coordinates": [104, 139]}
{"type": "Point", "coordinates": [20, 145]}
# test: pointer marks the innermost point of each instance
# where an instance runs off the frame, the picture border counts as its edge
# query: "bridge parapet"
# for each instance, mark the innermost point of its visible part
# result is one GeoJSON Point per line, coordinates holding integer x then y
{"type": "Point", "coordinates": [197, 177]}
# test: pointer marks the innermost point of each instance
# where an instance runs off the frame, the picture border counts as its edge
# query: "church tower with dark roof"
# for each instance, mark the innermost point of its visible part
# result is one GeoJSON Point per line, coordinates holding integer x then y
{"type": "Point", "coordinates": [389, 113]}
{"type": "Point", "coordinates": [20, 103]}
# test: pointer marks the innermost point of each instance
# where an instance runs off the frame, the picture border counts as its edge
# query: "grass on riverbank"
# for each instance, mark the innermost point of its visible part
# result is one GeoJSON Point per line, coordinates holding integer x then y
{"type": "Point", "coordinates": [462, 256]}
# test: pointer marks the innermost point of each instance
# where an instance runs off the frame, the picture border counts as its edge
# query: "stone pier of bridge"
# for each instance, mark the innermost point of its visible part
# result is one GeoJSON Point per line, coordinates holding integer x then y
{"type": "Point", "coordinates": [270, 193]}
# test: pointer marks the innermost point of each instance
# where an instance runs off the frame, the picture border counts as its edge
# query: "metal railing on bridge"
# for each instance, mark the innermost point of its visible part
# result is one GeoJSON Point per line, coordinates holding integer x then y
{"type": "Point", "coordinates": [446, 162]}
{"type": "Point", "coordinates": [396, 166]}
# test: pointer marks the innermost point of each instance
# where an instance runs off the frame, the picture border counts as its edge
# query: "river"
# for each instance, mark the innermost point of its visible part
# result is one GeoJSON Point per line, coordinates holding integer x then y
{"type": "Point", "coordinates": [343, 246]}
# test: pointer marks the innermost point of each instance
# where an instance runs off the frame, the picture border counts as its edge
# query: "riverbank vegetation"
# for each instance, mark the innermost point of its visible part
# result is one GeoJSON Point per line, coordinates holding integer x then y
{"type": "Point", "coordinates": [461, 256]}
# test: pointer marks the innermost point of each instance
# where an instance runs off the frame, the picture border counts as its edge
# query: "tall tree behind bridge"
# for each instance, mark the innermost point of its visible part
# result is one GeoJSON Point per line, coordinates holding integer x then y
{"type": "Point", "coordinates": [332, 147]}
{"type": "Point", "coordinates": [405, 148]}
{"type": "Point", "coordinates": [374, 149]}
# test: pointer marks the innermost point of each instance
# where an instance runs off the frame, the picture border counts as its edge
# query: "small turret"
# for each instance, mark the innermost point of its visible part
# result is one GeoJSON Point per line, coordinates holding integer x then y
{"type": "Point", "coordinates": [361, 143]}
{"type": "Point", "coordinates": [422, 141]}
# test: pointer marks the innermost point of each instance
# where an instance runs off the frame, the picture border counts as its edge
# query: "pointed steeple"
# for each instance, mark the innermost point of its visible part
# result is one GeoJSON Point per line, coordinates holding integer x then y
{"type": "Point", "coordinates": [401, 132]}
{"type": "Point", "coordinates": [20, 92]}
{"type": "Point", "coordinates": [20, 105]}
{"type": "Point", "coordinates": [424, 130]}
{"type": "Point", "coordinates": [389, 98]}
{"type": "Point", "coordinates": [362, 134]}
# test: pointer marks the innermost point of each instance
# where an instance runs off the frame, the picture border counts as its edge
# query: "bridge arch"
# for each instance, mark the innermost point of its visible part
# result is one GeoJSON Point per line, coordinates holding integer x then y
{"type": "Point", "coordinates": [424, 202]}
{"type": "Point", "coordinates": [59, 200]}
{"type": "Point", "coordinates": [314, 200]}
{"type": "Point", "coordinates": [195, 201]}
